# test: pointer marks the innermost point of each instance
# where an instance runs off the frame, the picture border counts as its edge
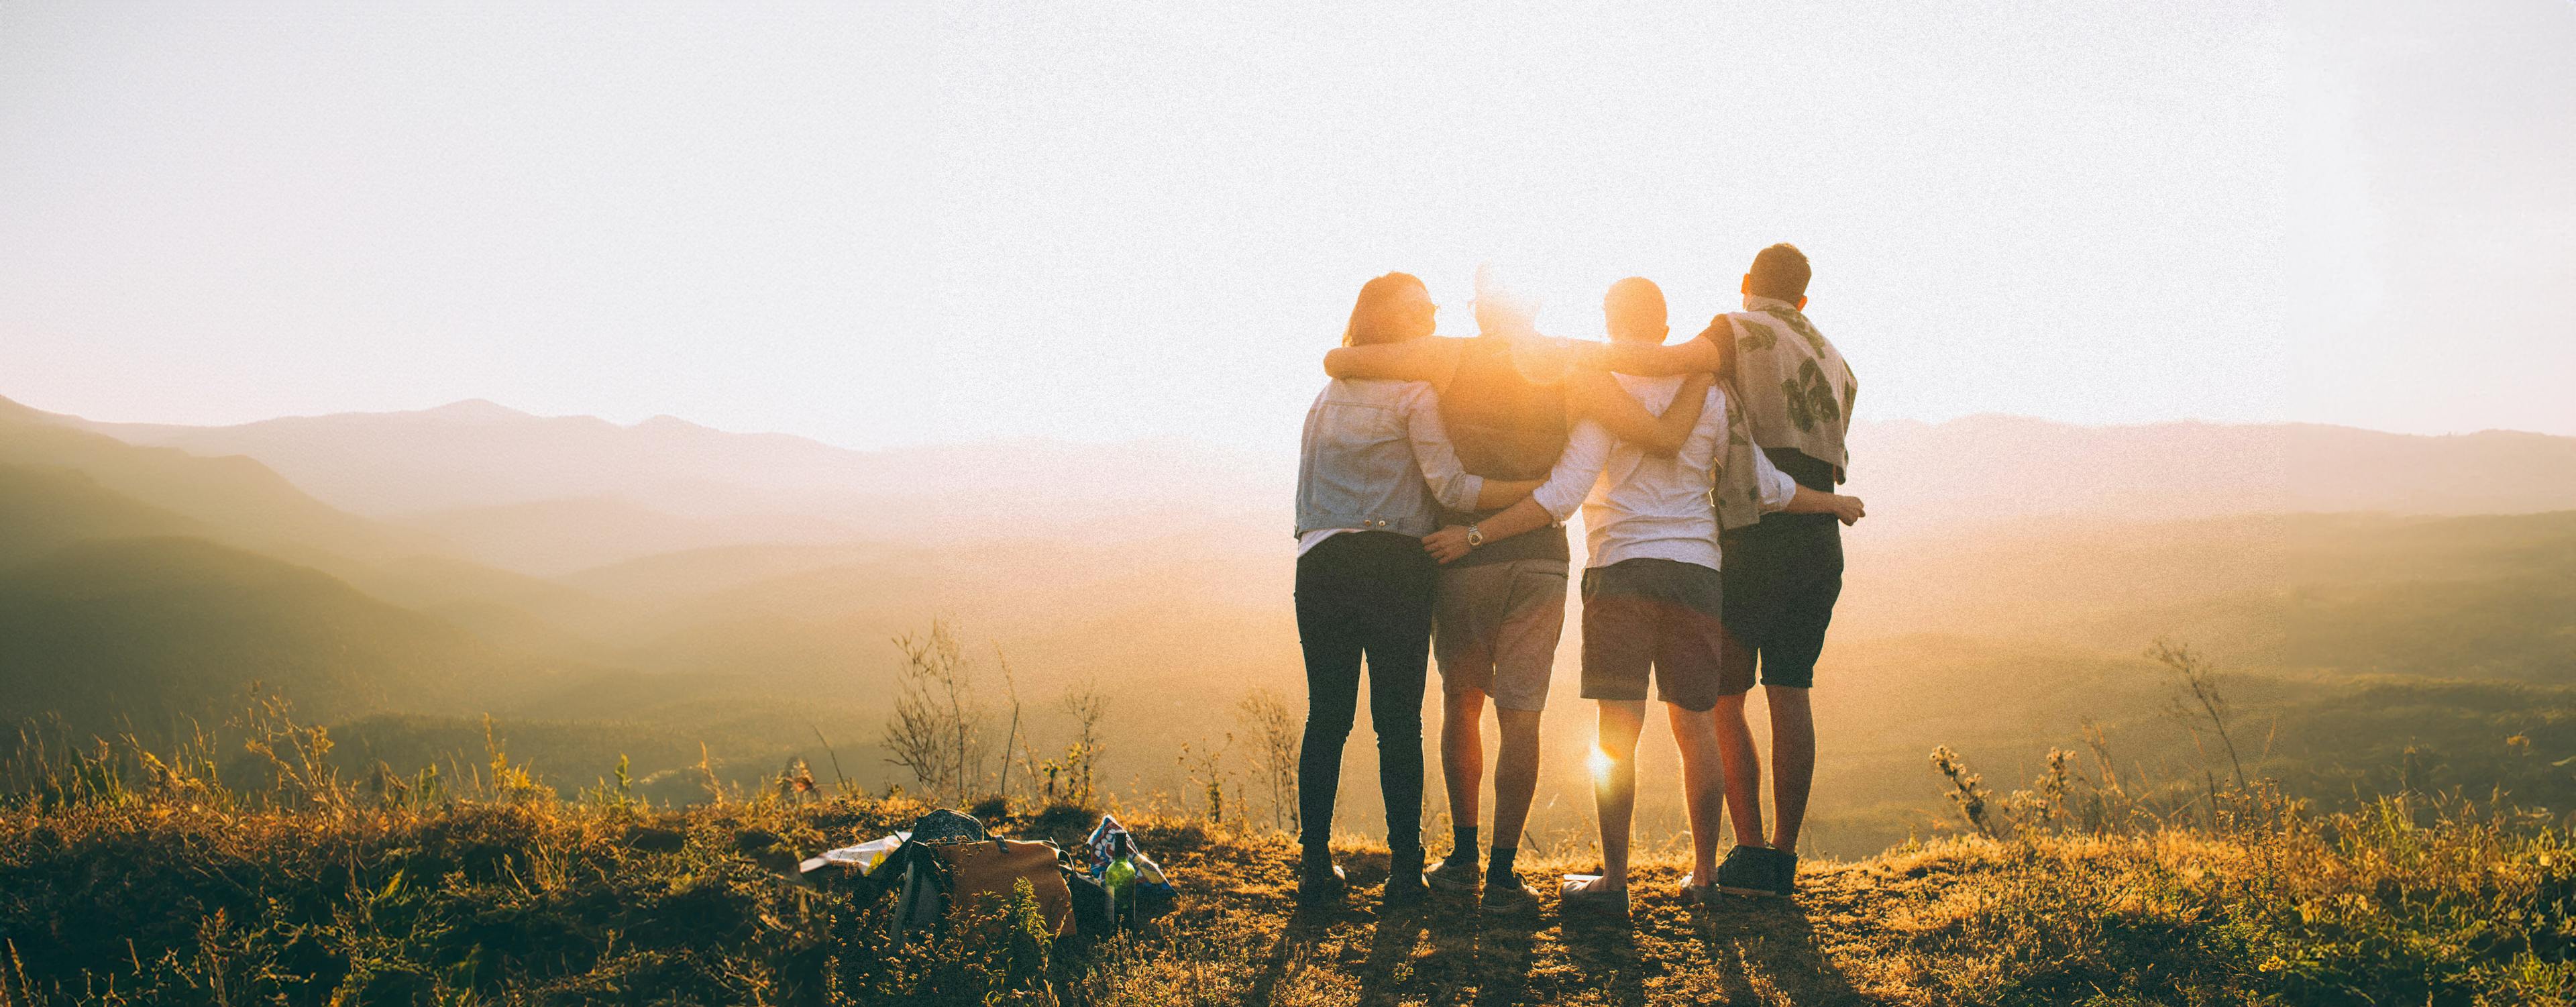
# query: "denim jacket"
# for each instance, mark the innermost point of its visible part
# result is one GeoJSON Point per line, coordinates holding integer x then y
{"type": "Point", "coordinates": [1377, 459]}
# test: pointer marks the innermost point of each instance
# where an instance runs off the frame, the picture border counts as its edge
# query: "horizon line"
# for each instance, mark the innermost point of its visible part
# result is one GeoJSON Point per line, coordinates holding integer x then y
{"type": "Point", "coordinates": [481, 402]}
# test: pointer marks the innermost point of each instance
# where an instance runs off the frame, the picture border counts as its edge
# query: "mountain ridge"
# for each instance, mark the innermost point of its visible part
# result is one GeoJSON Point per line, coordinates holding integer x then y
{"type": "Point", "coordinates": [551, 495]}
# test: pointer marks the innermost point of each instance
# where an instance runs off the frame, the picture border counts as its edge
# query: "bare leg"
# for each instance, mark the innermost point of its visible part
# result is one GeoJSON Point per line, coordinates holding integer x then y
{"type": "Point", "coordinates": [1793, 761]}
{"type": "Point", "coordinates": [1743, 768]}
{"type": "Point", "coordinates": [1614, 787]}
{"type": "Point", "coordinates": [1515, 775]}
{"type": "Point", "coordinates": [1462, 757]}
{"type": "Point", "coordinates": [1703, 786]}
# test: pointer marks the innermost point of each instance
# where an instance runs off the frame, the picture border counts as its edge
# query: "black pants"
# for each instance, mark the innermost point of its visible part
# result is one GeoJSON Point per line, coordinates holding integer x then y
{"type": "Point", "coordinates": [1364, 594]}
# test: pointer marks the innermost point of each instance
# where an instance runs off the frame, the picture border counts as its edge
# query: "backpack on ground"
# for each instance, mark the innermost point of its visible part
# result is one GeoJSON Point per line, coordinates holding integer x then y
{"type": "Point", "coordinates": [949, 866]}
{"type": "Point", "coordinates": [983, 875]}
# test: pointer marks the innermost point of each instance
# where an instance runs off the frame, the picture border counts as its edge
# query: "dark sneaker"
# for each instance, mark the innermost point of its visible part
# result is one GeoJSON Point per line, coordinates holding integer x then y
{"type": "Point", "coordinates": [1505, 895]}
{"type": "Point", "coordinates": [1404, 880]}
{"type": "Point", "coordinates": [1786, 866]}
{"type": "Point", "coordinates": [1748, 870]}
{"type": "Point", "coordinates": [1454, 875]}
{"type": "Point", "coordinates": [1321, 885]}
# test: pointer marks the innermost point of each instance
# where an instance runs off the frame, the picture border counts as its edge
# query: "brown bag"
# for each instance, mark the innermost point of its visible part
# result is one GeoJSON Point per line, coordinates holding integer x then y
{"type": "Point", "coordinates": [986, 870]}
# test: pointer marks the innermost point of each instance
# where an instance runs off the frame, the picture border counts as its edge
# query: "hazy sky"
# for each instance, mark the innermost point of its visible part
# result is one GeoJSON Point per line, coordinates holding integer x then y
{"type": "Point", "coordinates": [885, 225]}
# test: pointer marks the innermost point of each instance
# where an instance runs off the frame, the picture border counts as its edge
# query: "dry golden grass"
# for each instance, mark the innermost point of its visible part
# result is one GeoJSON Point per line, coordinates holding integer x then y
{"type": "Point", "coordinates": [172, 890]}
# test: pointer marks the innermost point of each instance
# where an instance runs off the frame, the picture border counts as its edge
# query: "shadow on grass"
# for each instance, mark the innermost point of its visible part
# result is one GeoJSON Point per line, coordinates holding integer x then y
{"type": "Point", "coordinates": [1390, 957]}
{"type": "Point", "coordinates": [1603, 945]}
{"type": "Point", "coordinates": [1775, 940]}
{"type": "Point", "coordinates": [1296, 941]}
{"type": "Point", "coordinates": [1473, 956]}
{"type": "Point", "coordinates": [1504, 942]}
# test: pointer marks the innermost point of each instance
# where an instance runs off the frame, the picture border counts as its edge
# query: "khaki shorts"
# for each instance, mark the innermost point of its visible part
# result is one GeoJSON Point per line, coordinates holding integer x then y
{"type": "Point", "coordinates": [1494, 627]}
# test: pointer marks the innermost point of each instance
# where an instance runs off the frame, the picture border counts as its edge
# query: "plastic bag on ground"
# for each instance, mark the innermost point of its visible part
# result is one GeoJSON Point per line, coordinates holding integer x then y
{"type": "Point", "coordinates": [861, 858]}
{"type": "Point", "coordinates": [1155, 894]}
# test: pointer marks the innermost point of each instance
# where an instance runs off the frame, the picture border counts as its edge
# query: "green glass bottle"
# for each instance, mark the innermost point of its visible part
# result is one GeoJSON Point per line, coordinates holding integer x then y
{"type": "Point", "coordinates": [1119, 879]}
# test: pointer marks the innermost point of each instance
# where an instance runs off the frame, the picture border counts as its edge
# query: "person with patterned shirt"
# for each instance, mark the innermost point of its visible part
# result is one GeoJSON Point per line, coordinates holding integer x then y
{"type": "Point", "coordinates": [1783, 571]}
{"type": "Point", "coordinates": [1653, 598]}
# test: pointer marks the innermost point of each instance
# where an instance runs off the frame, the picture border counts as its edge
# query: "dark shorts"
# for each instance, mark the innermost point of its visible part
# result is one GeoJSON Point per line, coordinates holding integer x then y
{"type": "Point", "coordinates": [1654, 613]}
{"type": "Point", "coordinates": [1782, 578]}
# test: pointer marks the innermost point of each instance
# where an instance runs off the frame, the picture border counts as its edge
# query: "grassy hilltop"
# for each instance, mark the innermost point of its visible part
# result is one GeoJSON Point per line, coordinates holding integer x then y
{"type": "Point", "coordinates": [689, 607]}
{"type": "Point", "coordinates": [126, 880]}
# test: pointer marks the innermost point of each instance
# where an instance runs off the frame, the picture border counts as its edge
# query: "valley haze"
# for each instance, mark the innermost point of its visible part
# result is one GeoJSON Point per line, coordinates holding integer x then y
{"type": "Point", "coordinates": [641, 589]}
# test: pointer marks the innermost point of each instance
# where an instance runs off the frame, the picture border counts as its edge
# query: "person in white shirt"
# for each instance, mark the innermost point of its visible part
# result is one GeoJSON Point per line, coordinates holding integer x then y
{"type": "Point", "coordinates": [1651, 590]}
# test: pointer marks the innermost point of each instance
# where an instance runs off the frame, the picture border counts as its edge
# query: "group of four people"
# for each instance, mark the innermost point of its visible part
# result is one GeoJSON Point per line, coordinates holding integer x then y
{"type": "Point", "coordinates": [1434, 480]}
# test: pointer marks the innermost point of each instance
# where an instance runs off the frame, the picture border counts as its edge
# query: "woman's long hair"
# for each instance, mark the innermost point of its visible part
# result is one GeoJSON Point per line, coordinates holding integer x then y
{"type": "Point", "coordinates": [1374, 318]}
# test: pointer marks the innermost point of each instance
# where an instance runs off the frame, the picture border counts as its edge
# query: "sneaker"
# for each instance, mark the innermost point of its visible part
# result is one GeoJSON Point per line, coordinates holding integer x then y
{"type": "Point", "coordinates": [1320, 885]}
{"type": "Point", "coordinates": [1785, 864]}
{"type": "Point", "coordinates": [1748, 870]}
{"type": "Point", "coordinates": [1454, 875]}
{"type": "Point", "coordinates": [1505, 895]}
{"type": "Point", "coordinates": [1574, 894]}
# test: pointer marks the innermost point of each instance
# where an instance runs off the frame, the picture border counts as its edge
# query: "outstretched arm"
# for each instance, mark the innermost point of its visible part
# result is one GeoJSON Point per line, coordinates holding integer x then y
{"type": "Point", "coordinates": [1844, 508]}
{"type": "Point", "coordinates": [1431, 359]}
{"type": "Point", "coordinates": [1595, 395]}
{"type": "Point", "coordinates": [1553, 501]}
{"type": "Point", "coordinates": [1712, 351]}
{"type": "Point", "coordinates": [1449, 544]}
{"type": "Point", "coordinates": [1506, 492]}
{"type": "Point", "coordinates": [1448, 478]}
{"type": "Point", "coordinates": [1783, 494]}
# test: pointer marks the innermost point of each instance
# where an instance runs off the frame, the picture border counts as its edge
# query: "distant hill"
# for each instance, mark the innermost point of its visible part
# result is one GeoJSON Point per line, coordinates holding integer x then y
{"type": "Point", "coordinates": [493, 479]}
{"type": "Point", "coordinates": [232, 498]}
{"type": "Point", "coordinates": [2464, 597]}
{"type": "Point", "coordinates": [44, 509]}
{"type": "Point", "coordinates": [2001, 590]}
{"type": "Point", "coordinates": [547, 494]}
{"type": "Point", "coordinates": [144, 629]}
{"type": "Point", "coordinates": [550, 537]}
{"type": "Point", "coordinates": [479, 454]}
{"type": "Point", "coordinates": [1919, 476]}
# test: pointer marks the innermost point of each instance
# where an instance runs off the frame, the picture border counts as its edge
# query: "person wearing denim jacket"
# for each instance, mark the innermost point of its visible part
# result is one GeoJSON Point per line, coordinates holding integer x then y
{"type": "Point", "coordinates": [1375, 467]}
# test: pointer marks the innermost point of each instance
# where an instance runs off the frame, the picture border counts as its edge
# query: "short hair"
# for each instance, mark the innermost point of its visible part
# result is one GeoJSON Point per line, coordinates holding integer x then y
{"type": "Point", "coordinates": [1378, 298]}
{"type": "Point", "coordinates": [1781, 272]}
{"type": "Point", "coordinates": [1635, 301]}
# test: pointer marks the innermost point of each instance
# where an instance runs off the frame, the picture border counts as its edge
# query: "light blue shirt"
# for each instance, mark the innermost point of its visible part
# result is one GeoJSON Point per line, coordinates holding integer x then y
{"type": "Point", "coordinates": [1376, 458]}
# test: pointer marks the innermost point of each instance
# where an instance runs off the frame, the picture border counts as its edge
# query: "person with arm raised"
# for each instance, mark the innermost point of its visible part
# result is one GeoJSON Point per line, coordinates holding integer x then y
{"type": "Point", "coordinates": [1784, 571]}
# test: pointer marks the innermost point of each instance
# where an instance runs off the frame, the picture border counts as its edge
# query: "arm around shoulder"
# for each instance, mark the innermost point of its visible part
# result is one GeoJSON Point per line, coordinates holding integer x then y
{"type": "Point", "coordinates": [1694, 355]}
{"type": "Point", "coordinates": [1430, 359]}
{"type": "Point", "coordinates": [1598, 397]}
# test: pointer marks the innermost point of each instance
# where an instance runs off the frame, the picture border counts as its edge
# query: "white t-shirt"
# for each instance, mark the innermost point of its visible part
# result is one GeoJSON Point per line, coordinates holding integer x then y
{"type": "Point", "coordinates": [1637, 506]}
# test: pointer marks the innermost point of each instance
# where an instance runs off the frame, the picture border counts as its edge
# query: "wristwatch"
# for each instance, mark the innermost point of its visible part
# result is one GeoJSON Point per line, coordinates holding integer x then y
{"type": "Point", "coordinates": [1475, 536]}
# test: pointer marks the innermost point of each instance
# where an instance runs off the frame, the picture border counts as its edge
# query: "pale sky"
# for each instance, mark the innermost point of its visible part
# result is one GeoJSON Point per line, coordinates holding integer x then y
{"type": "Point", "coordinates": [883, 225]}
